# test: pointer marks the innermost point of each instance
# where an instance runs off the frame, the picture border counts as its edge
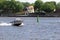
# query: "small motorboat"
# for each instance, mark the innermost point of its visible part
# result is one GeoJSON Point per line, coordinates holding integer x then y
{"type": "Point", "coordinates": [11, 24]}
{"type": "Point", "coordinates": [17, 22]}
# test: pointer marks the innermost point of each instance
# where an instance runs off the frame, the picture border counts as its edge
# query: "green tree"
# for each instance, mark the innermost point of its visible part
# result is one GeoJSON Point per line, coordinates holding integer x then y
{"type": "Point", "coordinates": [13, 6]}
{"type": "Point", "coordinates": [13, 0]}
{"type": "Point", "coordinates": [1, 6]}
{"type": "Point", "coordinates": [53, 2]}
{"type": "Point", "coordinates": [2, 1]}
{"type": "Point", "coordinates": [19, 6]}
{"type": "Point", "coordinates": [32, 4]}
{"type": "Point", "coordinates": [48, 7]}
{"type": "Point", "coordinates": [58, 5]}
{"type": "Point", "coordinates": [26, 4]}
{"type": "Point", "coordinates": [37, 5]}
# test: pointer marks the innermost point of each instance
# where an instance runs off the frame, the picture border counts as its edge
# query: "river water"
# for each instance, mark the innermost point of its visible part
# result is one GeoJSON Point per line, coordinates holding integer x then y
{"type": "Point", "coordinates": [48, 28]}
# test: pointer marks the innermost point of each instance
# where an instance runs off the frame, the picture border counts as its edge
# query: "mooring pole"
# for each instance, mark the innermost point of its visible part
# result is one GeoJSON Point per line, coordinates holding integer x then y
{"type": "Point", "coordinates": [37, 18]}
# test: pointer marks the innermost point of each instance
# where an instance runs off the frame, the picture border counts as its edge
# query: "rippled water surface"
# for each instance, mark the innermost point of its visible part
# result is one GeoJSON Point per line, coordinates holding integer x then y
{"type": "Point", "coordinates": [48, 28]}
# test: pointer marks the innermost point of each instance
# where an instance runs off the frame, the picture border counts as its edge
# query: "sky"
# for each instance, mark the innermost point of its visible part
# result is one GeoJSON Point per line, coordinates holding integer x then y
{"type": "Point", "coordinates": [32, 1]}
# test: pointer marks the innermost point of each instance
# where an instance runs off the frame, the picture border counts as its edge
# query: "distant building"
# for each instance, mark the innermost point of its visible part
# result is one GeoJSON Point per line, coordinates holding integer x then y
{"type": "Point", "coordinates": [29, 9]}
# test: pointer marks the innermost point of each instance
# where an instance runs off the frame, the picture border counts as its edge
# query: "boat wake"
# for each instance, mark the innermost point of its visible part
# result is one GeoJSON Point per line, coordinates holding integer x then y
{"type": "Point", "coordinates": [9, 24]}
{"type": "Point", "coordinates": [5, 24]}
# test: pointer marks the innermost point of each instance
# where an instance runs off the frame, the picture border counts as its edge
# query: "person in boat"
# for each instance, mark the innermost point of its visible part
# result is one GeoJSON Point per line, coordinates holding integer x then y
{"type": "Point", "coordinates": [17, 22]}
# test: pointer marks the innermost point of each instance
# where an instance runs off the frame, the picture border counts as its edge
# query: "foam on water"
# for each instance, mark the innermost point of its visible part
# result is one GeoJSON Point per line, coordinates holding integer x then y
{"type": "Point", "coordinates": [5, 24]}
{"type": "Point", "coordinates": [8, 24]}
{"type": "Point", "coordinates": [21, 24]}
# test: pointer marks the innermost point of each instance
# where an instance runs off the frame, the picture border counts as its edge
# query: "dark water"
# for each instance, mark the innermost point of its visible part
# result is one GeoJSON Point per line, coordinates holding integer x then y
{"type": "Point", "coordinates": [48, 28]}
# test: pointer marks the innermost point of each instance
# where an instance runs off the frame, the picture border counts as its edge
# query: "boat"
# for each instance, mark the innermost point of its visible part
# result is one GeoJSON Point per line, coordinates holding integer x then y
{"type": "Point", "coordinates": [17, 22]}
{"type": "Point", "coordinates": [11, 24]}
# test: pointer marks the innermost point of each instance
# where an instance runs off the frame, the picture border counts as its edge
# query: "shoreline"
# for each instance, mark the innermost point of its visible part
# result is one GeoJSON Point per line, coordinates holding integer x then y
{"type": "Point", "coordinates": [30, 16]}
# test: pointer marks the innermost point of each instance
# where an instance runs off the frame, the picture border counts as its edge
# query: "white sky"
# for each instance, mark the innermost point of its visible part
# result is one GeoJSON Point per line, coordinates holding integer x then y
{"type": "Point", "coordinates": [32, 1]}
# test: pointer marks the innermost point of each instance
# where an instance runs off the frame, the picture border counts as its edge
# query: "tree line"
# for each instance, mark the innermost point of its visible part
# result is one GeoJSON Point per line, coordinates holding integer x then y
{"type": "Point", "coordinates": [39, 5]}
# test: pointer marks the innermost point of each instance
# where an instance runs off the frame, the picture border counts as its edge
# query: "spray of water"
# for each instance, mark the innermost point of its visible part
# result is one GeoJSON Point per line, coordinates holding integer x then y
{"type": "Point", "coordinates": [8, 24]}
{"type": "Point", "coordinates": [5, 24]}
